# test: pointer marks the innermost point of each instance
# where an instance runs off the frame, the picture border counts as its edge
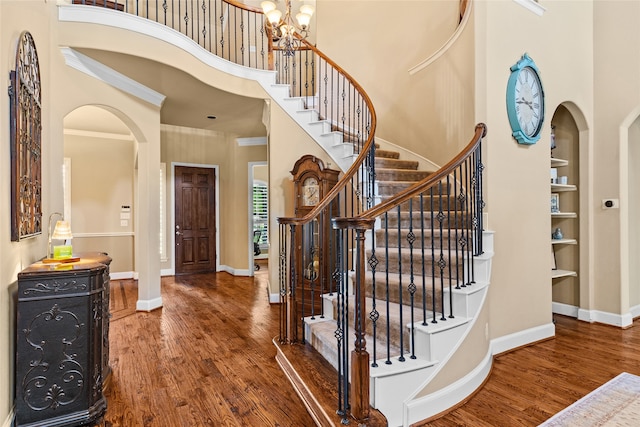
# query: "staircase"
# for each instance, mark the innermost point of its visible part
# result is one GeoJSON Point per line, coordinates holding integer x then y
{"type": "Point", "coordinates": [405, 357]}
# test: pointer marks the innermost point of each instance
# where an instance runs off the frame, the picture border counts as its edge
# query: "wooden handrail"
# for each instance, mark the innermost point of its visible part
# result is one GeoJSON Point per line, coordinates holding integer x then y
{"type": "Point", "coordinates": [364, 152]}
{"type": "Point", "coordinates": [425, 184]}
{"type": "Point", "coordinates": [243, 6]}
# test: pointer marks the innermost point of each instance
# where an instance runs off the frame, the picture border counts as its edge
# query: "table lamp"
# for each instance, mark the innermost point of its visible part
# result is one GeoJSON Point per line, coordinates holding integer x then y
{"type": "Point", "coordinates": [62, 231]}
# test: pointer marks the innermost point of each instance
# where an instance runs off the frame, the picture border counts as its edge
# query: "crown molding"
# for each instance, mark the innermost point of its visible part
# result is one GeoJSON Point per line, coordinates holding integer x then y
{"type": "Point", "coordinates": [532, 5]}
{"type": "Point", "coordinates": [97, 70]}
{"type": "Point", "coordinates": [247, 142]}
{"type": "Point", "coordinates": [94, 134]}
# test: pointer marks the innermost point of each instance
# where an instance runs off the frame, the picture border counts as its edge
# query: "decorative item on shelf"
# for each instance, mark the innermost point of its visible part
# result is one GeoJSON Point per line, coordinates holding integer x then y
{"type": "Point", "coordinates": [285, 31]}
{"type": "Point", "coordinates": [553, 139]}
{"type": "Point", "coordinates": [557, 234]}
{"type": "Point", "coordinates": [62, 231]}
{"type": "Point", "coordinates": [563, 180]}
{"type": "Point", "coordinates": [554, 175]}
{"type": "Point", "coordinates": [554, 266]}
{"type": "Point", "coordinates": [555, 203]}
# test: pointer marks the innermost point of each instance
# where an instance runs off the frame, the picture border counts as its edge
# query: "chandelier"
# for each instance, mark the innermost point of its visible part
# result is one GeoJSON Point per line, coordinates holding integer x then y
{"type": "Point", "coordinates": [286, 32]}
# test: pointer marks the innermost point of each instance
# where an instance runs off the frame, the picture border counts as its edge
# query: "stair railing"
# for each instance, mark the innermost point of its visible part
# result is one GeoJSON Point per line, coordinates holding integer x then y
{"type": "Point", "coordinates": [437, 225]}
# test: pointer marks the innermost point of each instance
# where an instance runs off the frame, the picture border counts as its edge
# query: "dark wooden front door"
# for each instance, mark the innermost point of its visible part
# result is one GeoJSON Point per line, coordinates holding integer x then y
{"type": "Point", "coordinates": [195, 220]}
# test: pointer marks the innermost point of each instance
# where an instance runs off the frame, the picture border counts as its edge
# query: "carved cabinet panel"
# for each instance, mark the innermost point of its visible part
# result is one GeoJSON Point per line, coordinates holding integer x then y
{"type": "Point", "coordinates": [62, 342]}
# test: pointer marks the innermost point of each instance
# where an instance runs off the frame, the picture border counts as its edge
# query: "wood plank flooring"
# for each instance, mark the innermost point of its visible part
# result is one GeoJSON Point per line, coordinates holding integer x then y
{"type": "Point", "coordinates": [529, 385]}
{"type": "Point", "coordinates": [206, 359]}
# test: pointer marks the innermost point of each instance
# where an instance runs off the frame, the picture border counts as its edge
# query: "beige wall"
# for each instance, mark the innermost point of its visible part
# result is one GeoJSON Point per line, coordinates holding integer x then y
{"type": "Point", "coordinates": [261, 173]}
{"type": "Point", "coordinates": [517, 176]}
{"type": "Point", "coordinates": [101, 183]}
{"type": "Point", "coordinates": [616, 100]}
{"type": "Point", "coordinates": [429, 112]}
{"type": "Point", "coordinates": [634, 213]}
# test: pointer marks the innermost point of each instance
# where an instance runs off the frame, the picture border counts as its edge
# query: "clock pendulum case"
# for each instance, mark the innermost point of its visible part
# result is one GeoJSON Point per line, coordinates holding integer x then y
{"type": "Point", "coordinates": [312, 181]}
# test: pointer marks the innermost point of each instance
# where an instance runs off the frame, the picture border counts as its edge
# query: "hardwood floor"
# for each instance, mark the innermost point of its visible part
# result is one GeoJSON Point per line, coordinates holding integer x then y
{"type": "Point", "coordinates": [206, 359]}
{"type": "Point", "coordinates": [529, 385]}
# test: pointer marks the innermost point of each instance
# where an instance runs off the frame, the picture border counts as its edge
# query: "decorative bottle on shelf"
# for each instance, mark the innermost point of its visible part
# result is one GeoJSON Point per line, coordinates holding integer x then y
{"type": "Point", "coordinates": [553, 139]}
{"type": "Point", "coordinates": [557, 234]}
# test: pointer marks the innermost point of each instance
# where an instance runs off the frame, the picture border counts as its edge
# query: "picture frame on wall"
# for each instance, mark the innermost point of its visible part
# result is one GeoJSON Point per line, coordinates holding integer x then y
{"type": "Point", "coordinates": [555, 203]}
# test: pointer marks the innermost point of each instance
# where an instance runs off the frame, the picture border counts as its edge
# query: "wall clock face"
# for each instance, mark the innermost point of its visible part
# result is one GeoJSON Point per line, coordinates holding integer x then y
{"type": "Point", "coordinates": [310, 192]}
{"type": "Point", "coordinates": [525, 101]}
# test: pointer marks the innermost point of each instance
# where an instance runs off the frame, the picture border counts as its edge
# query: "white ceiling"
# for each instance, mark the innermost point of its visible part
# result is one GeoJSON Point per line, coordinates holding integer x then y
{"type": "Point", "coordinates": [188, 101]}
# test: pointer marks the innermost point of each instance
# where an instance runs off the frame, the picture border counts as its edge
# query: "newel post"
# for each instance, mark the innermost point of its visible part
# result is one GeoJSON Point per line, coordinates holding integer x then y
{"type": "Point", "coordinates": [287, 277]}
{"type": "Point", "coordinates": [360, 406]}
{"type": "Point", "coordinates": [292, 304]}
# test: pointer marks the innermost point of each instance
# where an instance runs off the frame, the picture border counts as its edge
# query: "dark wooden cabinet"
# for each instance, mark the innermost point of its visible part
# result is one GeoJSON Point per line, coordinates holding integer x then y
{"type": "Point", "coordinates": [62, 342]}
{"type": "Point", "coordinates": [315, 251]}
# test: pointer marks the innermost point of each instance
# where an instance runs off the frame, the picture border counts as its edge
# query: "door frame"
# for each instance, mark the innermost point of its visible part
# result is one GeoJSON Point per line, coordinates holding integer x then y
{"type": "Point", "coordinates": [172, 227]}
{"type": "Point", "coordinates": [250, 215]}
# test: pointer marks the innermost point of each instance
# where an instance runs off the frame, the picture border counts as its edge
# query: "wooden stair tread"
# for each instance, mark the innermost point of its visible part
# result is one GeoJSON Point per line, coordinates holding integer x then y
{"type": "Point", "coordinates": [314, 379]}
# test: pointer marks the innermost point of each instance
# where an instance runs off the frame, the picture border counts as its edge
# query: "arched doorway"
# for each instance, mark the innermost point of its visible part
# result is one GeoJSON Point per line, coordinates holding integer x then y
{"type": "Point", "coordinates": [99, 152]}
{"type": "Point", "coordinates": [112, 182]}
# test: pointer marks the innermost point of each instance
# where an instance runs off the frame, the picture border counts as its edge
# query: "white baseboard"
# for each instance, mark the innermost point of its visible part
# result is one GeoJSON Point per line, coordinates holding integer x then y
{"type": "Point", "coordinates": [564, 309]}
{"type": "Point", "coordinates": [9, 421]}
{"type": "Point", "coordinates": [621, 320]}
{"type": "Point", "coordinates": [431, 405]}
{"type": "Point", "coordinates": [236, 272]}
{"type": "Point", "coordinates": [148, 305]}
{"type": "Point", "coordinates": [123, 275]}
{"type": "Point", "coordinates": [167, 272]}
{"type": "Point", "coordinates": [518, 339]}
{"type": "Point", "coordinates": [273, 298]}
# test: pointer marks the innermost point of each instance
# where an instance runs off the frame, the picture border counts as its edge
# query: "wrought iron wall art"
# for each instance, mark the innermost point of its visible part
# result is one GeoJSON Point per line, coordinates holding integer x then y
{"type": "Point", "coordinates": [26, 141]}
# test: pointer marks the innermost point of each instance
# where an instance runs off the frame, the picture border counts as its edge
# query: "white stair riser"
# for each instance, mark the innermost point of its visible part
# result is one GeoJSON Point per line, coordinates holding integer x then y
{"type": "Point", "coordinates": [436, 345]}
{"type": "Point", "coordinates": [387, 393]}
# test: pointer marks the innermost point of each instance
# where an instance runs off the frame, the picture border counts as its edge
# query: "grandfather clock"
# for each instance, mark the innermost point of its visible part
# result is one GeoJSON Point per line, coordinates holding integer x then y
{"type": "Point", "coordinates": [312, 181]}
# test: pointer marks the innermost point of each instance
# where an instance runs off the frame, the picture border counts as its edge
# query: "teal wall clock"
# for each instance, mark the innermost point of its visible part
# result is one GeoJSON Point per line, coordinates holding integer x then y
{"type": "Point", "coordinates": [525, 101]}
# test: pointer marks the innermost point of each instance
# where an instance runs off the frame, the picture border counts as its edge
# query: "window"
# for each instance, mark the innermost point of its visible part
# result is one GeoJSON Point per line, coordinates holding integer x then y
{"type": "Point", "coordinates": [260, 212]}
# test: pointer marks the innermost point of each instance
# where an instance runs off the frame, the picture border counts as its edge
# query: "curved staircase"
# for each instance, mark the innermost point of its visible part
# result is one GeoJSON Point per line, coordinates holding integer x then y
{"type": "Point", "coordinates": [413, 340]}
